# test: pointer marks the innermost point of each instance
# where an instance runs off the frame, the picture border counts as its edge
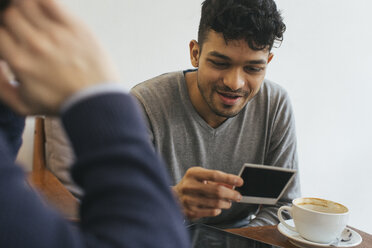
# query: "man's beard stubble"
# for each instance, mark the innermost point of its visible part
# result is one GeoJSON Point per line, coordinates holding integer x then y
{"type": "Point", "coordinates": [209, 99]}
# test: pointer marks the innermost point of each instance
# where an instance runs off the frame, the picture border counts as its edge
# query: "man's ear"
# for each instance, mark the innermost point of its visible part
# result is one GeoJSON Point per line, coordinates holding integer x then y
{"type": "Point", "coordinates": [271, 55]}
{"type": "Point", "coordinates": [194, 53]}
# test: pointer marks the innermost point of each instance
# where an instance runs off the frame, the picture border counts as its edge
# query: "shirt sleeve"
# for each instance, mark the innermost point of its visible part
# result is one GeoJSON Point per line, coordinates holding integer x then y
{"type": "Point", "coordinates": [145, 116]}
{"type": "Point", "coordinates": [282, 153]}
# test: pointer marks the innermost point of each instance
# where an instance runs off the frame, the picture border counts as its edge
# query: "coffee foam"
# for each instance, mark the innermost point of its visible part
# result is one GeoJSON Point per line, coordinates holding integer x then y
{"type": "Point", "coordinates": [323, 206]}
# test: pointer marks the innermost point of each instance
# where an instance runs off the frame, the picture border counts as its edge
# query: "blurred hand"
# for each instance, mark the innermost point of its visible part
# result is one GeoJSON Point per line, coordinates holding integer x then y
{"type": "Point", "coordinates": [5, 72]}
{"type": "Point", "coordinates": [204, 193]}
{"type": "Point", "coordinates": [52, 54]}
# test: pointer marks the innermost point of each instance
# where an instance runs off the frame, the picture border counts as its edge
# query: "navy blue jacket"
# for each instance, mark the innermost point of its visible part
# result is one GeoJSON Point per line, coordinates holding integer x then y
{"type": "Point", "coordinates": [11, 126]}
{"type": "Point", "coordinates": [127, 201]}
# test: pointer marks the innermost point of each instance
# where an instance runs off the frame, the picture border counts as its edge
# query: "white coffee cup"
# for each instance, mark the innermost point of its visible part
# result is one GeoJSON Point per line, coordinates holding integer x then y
{"type": "Point", "coordinates": [315, 219]}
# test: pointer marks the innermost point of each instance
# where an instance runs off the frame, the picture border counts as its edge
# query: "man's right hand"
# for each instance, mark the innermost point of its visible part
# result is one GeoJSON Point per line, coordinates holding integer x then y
{"type": "Point", "coordinates": [204, 193]}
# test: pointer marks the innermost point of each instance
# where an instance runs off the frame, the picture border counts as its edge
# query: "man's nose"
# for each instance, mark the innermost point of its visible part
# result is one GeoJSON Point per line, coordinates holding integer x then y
{"type": "Point", "coordinates": [234, 79]}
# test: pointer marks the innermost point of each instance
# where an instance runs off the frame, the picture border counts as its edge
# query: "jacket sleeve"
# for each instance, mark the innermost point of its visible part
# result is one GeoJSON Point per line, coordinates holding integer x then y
{"type": "Point", "coordinates": [12, 126]}
{"type": "Point", "coordinates": [127, 202]}
{"type": "Point", "coordinates": [282, 152]}
{"type": "Point", "coordinates": [146, 117]}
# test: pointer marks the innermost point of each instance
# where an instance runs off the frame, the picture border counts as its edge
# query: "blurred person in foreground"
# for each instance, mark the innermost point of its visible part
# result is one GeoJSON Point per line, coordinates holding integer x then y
{"type": "Point", "coordinates": [62, 70]}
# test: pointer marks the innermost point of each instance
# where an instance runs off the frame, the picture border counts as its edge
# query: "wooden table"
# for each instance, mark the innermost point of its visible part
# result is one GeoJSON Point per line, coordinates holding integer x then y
{"type": "Point", "coordinates": [58, 196]}
{"type": "Point", "coordinates": [271, 235]}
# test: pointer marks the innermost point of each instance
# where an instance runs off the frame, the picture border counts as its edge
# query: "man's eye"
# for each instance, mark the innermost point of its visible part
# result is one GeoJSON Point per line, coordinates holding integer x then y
{"type": "Point", "coordinates": [253, 69]}
{"type": "Point", "coordinates": [219, 64]}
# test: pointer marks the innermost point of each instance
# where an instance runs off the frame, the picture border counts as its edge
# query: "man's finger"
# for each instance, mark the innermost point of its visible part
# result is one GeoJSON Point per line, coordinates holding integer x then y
{"type": "Point", "coordinates": [5, 70]}
{"type": "Point", "coordinates": [18, 26]}
{"type": "Point", "coordinates": [10, 96]}
{"type": "Point", "coordinates": [197, 213]}
{"type": "Point", "coordinates": [34, 14]}
{"type": "Point", "coordinates": [217, 191]}
{"type": "Point", "coordinates": [212, 191]}
{"type": "Point", "coordinates": [8, 47]}
{"type": "Point", "coordinates": [216, 176]}
{"type": "Point", "coordinates": [203, 202]}
{"type": "Point", "coordinates": [57, 12]}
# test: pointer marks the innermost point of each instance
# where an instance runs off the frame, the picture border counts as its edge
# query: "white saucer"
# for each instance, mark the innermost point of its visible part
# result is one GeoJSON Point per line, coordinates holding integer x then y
{"type": "Point", "coordinates": [299, 241]}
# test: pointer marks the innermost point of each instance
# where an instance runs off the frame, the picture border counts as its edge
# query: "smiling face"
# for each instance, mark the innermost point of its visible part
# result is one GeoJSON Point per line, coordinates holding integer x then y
{"type": "Point", "coordinates": [229, 75]}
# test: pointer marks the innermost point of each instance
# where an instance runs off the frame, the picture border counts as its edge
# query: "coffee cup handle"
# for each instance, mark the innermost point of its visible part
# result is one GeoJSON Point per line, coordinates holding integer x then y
{"type": "Point", "coordinates": [280, 216]}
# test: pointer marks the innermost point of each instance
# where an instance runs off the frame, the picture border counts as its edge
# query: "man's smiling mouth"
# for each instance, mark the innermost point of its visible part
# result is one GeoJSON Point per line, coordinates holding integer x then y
{"type": "Point", "coordinates": [229, 98]}
{"type": "Point", "coordinates": [230, 95]}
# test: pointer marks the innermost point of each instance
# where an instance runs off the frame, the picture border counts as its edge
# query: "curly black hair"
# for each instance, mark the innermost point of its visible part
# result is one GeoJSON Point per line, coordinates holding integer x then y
{"type": "Point", "coordinates": [258, 22]}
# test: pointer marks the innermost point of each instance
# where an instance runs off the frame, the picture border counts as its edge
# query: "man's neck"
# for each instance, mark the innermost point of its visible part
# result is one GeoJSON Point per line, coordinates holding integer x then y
{"type": "Point", "coordinates": [197, 100]}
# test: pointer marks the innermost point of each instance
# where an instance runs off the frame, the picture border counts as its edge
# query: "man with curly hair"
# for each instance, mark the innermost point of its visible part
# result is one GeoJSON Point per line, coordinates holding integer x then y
{"type": "Point", "coordinates": [209, 121]}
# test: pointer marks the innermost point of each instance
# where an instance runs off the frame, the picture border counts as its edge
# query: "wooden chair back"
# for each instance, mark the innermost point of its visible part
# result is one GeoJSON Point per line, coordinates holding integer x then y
{"type": "Point", "coordinates": [45, 182]}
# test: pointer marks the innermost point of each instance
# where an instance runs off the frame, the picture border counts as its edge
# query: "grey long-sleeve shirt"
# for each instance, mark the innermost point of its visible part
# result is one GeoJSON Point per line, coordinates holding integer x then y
{"type": "Point", "coordinates": [262, 133]}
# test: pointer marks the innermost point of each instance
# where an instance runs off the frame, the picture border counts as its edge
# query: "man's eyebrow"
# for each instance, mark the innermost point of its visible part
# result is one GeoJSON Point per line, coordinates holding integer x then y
{"type": "Point", "coordinates": [252, 62]}
{"type": "Point", "coordinates": [219, 55]}
{"type": "Point", "coordinates": [257, 62]}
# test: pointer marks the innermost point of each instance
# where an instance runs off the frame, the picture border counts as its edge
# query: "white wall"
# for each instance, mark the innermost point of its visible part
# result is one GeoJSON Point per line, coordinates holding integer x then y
{"type": "Point", "coordinates": [324, 63]}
